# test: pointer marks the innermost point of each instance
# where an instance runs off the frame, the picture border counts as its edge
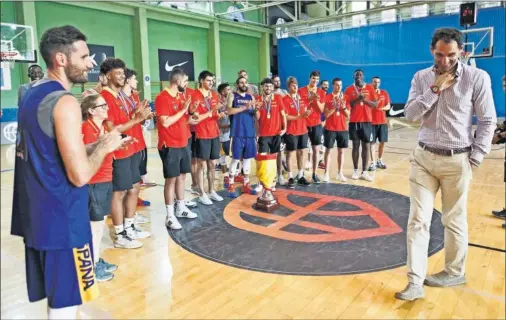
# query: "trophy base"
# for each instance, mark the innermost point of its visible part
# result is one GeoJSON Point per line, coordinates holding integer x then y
{"type": "Point", "coordinates": [267, 205]}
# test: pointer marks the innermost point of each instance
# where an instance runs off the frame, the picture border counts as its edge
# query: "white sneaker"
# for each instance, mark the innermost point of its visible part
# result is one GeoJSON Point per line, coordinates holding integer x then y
{"type": "Point", "coordinates": [259, 188]}
{"type": "Point", "coordinates": [355, 175]}
{"type": "Point", "coordinates": [204, 199]}
{"type": "Point", "coordinates": [185, 213]}
{"type": "Point", "coordinates": [125, 242]}
{"type": "Point", "coordinates": [326, 178]}
{"type": "Point", "coordinates": [140, 219]}
{"type": "Point", "coordinates": [341, 177]}
{"type": "Point", "coordinates": [190, 204]}
{"type": "Point", "coordinates": [135, 232]}
{"type": "Point", "coordinates": [172, 222]}
{"type": "Point", "coordinates": [216, 197]}
{"type": "Point", "coordinates": [365, 176]}
{"type": "Point", "coordinates": [281, 180]}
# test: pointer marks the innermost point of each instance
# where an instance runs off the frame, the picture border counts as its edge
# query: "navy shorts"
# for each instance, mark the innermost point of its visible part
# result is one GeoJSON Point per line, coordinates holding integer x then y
{"type": "Point", "coordinates": [295, 142]}
{"type": "Point", "coordinates": [361, 131]}
{"type": "Point", "coordinates": [143, 166]}
{"type": "Point", "coordinates": [269, 144]}
{"type": "Point", "coordinates": [380, 133]}
{"type": "Point", "coordinates": [331, 138]}
{"type": "Point", "coordinates": [175, 161]}
{"type": "Point", "coordinates": [208, 149]}
{"type": "Point", "coordinates": [192, 145]}
{"type": "Point", "coordinates": [244, 148]}
{"type": "Point", "coordinates": [99, 200]}
{"type": "Point", "coordinates": [225, 146]}
{"type": "Point", "coordinates": [315, 134]}
{"type": "Point", "coordinates": [125, 172]}
{"type": "Point", "coordinates": [65, 277]}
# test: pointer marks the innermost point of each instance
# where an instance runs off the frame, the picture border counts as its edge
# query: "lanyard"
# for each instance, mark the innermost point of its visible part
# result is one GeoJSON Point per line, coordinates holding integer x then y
{"type": "Point", "coordinates": [296, 102]}
{"type": "Point", "coordinates": [268, 103]}
{"type": "Point", "coordinates": [128, 104]}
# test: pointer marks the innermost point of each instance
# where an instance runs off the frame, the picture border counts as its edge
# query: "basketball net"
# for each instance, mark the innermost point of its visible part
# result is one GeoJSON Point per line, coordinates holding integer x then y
{"type": "Point", "coordinates": [465, 58]}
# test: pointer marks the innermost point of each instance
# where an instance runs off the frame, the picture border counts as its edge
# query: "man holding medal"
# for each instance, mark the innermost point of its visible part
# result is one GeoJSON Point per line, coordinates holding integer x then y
{"type": "Point", "coordinates": [296, 132]}
{"type": "Point", "coordinates": [337, 111]}
{"type": "Point", "coordinates": [125, 172]}
{"type": "Point", "coordinates": [314, 98]}
{"type": "Point", "coordinates": [172, 110]}
{"type": "Point", "coordinates": [362, 100]}
{"type": "Point", "coordinates": [241, 109]}
{"type": "Point", "coordinates": [271, 118]}
{"type": "Point", "coordinates": [205, 111]}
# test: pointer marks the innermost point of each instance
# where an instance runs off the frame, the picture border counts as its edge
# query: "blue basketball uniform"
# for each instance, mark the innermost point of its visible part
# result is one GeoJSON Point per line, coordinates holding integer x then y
{"type": "Point", "coordinates": [49, 212]}
{"type": "Point", "coordinates": [242, 131]}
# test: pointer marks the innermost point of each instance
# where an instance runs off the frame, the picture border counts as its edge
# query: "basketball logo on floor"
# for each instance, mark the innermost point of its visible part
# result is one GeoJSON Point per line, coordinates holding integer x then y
{"type": "Point", "coordinates": [325, 229]}
{"type": "Point", "coordinates": [327, 233]}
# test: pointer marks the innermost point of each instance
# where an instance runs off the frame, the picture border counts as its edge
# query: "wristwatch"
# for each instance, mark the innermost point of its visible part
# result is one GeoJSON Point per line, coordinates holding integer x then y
{"type": "Point", "coordinates": [435, 89]}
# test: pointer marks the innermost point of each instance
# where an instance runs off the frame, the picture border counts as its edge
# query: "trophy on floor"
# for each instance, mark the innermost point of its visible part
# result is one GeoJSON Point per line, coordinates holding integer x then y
{"type": "Point", "coordinates": [266, 173]}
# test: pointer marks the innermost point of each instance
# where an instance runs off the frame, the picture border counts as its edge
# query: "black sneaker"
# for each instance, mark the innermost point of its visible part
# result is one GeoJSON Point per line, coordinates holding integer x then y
{"type": "Point", "coordinates": [291, 183]}
{"type": "Point", "coordinates": [500, 214]}
{"type": "Point", "coordinates": [303, 182]}
{"type": "Point", "coordinates": [316, 179]}
{"type": "Point", "coordinates": [504, 225]}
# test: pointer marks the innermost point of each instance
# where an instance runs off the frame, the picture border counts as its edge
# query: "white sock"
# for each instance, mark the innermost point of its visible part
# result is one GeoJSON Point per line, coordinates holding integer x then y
{"type": "Point", "coordinates": [62, 313]}
{"type": "Point", "coordinates": [170, 209]}
{"type": "Point", "coordinates": [301, 174]}
{"type": "Point", "coordinates": [180, 204]}
{"type": "Point", "coordinates": [128, 222]}
{"type": "Point", "coordinates": [97, 231]}
{"type": "Point", "coordinates": [379, 159]}
{"type": "Point", "coordinates": [119, 229]}
{"type": "Point", "coordinates": [290, 175]}
{"type": "Point", "coordinates": [144, 178]}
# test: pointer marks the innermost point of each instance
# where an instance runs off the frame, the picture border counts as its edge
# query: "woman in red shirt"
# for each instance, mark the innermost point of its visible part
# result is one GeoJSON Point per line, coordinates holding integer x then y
{"type": "Point", "coordinates": [94, 110]}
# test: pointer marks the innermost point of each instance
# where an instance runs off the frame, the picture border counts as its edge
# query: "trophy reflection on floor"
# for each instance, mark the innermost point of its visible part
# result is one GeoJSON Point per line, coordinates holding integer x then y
{"type": "Point", "coordinates": [266, 173]}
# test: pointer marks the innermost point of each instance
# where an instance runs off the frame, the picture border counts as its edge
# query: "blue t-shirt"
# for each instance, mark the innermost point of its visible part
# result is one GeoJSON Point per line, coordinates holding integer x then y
{"type": "Point", "coordinates": [243, 123]}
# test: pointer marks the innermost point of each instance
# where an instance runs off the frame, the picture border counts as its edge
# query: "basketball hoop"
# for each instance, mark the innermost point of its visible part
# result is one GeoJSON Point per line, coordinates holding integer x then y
{"type": "Point", "coordinates": [8, 58]}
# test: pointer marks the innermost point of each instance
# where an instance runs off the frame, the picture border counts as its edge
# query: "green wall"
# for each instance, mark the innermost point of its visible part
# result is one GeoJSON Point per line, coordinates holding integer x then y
{"type": "Point", "coordinates": [170, 36]}
{"type": "Point", "coordinates": [239, 52]}
{"type": "Point", "coordinates": [101, 28]}
{"type": "Point", "coordinates": [9, 98]}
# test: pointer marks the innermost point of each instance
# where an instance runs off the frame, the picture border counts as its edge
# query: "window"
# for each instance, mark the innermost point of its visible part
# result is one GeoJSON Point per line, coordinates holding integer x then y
{"type": "Point", "coordinates": [358, 20]}
{"type": "Point", "coordinates": [358, 5]}
{"type": "Point", "coordinates": [388, 16]}
{"type": "Point", "coordinates": [452, 7]}
{"type": "Point", "coordinates": [420, 11]}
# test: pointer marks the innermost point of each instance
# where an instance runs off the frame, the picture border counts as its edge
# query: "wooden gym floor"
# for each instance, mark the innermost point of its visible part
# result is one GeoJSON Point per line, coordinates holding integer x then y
{"type": "Point", "coordinates": [162, 280]}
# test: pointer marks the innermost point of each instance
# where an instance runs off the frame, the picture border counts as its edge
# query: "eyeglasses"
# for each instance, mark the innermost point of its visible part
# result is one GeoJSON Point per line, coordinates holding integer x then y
{"type": "Point", "coordinates": [104, 106]}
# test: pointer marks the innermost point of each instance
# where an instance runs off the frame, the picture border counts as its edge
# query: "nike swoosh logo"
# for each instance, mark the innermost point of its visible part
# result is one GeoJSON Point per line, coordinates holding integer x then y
{"type": "Point", "coordinates": [170, 68]}
{"type": "Point", "coordinates": [394, 113]}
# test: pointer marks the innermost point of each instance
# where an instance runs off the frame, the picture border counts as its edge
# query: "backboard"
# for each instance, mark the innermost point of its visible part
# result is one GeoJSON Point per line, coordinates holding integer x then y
{"type": "Point", "coordinates": [479, 42]}
{"type": "Point", "coordinates": [17, 43]}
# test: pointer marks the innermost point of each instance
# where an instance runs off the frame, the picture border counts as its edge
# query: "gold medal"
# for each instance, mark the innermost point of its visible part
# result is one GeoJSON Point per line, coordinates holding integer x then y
{"type": "Point", "coordinates": [268, 116]}
{"type": "Point", "coordinates": [361, 103]}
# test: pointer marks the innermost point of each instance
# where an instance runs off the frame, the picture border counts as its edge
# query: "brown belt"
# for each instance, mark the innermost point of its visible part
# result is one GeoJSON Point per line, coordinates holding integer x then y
{"type": "Point", "coordinates": [444, 152]}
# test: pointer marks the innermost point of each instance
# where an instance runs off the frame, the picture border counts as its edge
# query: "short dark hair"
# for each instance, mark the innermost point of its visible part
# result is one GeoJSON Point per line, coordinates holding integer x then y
{"type": "Point", "coordinates": [34, 66]}
{"type": "Point", "coordinates": [358, 70]}
{"type": "Point", "coordinates": [222, 87]}
{"type": "Point", "coordinates": [376, 77]}
{"type": "Point", "coordinates": [266, 81]}
{"type": "Point", "coordinates": [176, 73]}
{"type": "Point", "coordinates": [204, 74]}
{"type": "Point", "coordinates": [58, 39]}
{"type": "Point", "coordinates": [110, 64]}
{"type": "Point", "coordinates": [241, 71]}
{"type": "Point", "coordinates": [239, 79]}
{"type": "Point", "coordinates": [130, 73]}
{"type": "Point", "coordinates": [447, 35]}
{"type": "Point", "coordinates": [325, 80]}
{"type": "Point", "coordinates": [275, 76]}
{"type": "Point", "coordinates": [314, 73]}
{"type": "Point", "coordinates": [335, 80]}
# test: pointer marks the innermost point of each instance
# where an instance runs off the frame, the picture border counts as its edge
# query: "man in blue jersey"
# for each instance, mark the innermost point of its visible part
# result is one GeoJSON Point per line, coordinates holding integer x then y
{"type": "Point", "coordinates": [241, 109]}
{"type": "Point", "coordinates": [53, 166]}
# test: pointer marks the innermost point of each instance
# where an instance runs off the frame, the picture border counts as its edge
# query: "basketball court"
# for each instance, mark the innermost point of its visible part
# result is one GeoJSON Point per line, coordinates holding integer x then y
{"type": "Point", "coordinates": [330, 251]}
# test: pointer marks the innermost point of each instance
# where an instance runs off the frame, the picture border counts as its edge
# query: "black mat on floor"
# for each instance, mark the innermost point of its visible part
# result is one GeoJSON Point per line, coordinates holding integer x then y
{"type": "Point", "coordinates": [326, 229]}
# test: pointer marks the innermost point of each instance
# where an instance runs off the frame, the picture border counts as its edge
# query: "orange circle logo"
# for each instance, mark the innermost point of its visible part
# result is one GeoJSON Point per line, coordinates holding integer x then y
{"type": "Point", "coordinates": [327, 233]}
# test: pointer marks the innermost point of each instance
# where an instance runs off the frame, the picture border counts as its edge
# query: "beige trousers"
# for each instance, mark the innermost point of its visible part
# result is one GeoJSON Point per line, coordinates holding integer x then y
{"type": "Point", "coordinates": [429, 173]}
